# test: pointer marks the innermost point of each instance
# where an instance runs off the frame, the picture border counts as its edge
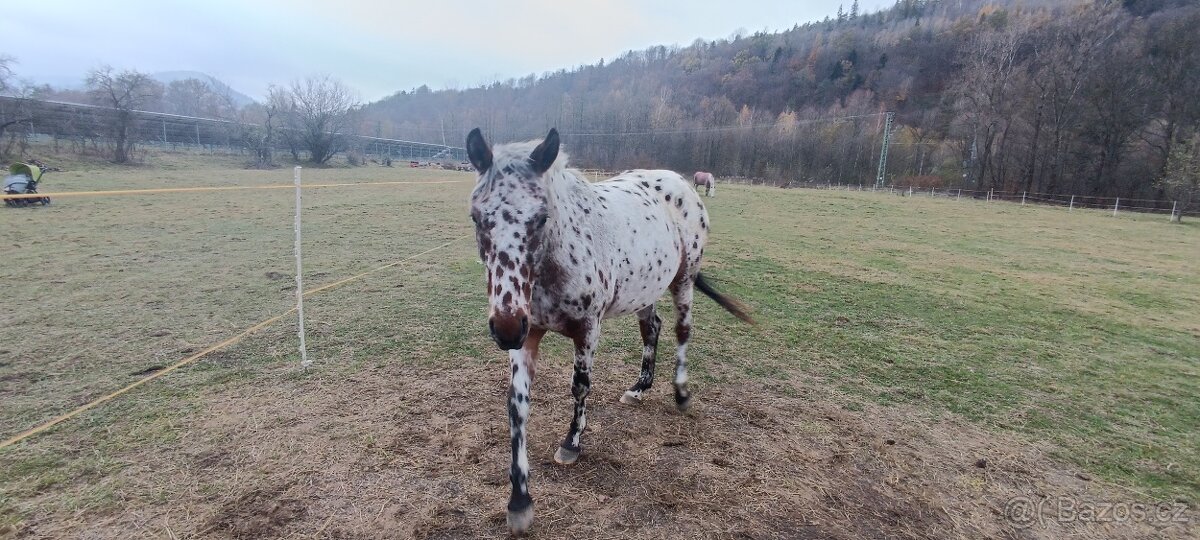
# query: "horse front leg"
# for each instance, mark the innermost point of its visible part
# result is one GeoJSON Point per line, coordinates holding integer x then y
{"type": "Point", "coordinates": [581, 385]}
{"type": "Point", "coordinates": [650, 325]}
{"type": "Point", "coordinates": [523, 362]}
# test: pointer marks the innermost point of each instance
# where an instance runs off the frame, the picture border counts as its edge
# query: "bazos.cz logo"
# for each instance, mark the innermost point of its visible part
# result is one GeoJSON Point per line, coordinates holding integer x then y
{"type": "Point", "coordinates": [1024, 512]}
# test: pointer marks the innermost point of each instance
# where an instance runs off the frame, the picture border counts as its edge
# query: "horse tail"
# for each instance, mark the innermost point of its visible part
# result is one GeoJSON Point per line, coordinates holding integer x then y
{"type": "Point", "coordinates": [730, 304]}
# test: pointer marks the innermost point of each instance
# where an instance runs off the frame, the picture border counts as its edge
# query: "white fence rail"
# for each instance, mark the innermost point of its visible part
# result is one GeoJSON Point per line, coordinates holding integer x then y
{"type": "Point", "coordinates": [1116, 205]}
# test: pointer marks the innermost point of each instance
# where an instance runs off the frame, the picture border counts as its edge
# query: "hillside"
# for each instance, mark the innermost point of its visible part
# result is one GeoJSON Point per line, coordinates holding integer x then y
{"type": "Point", "coordinates": [1085, 97]}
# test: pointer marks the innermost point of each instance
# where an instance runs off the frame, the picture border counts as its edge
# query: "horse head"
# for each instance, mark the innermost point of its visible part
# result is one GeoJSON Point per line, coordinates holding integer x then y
{"type": "Point", "coordinates": [510, 209]}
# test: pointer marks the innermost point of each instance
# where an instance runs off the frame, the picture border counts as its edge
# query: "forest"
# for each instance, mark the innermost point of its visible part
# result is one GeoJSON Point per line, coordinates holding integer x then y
{"type": "Point", "coordinates": [1095, 98]}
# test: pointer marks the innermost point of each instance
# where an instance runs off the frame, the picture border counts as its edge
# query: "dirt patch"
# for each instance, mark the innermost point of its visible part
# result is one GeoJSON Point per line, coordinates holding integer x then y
{"type": "Point", "coordinates": [257, 513]}
{"type": "Point", "coordinates": [402, 452]}
{"type": "Point", "coordinates": [211, 458]}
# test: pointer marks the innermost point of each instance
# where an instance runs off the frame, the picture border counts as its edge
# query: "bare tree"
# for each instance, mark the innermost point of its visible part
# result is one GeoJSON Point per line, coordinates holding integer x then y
{"type": "Point", "coordinates": [194, 97]}
{"type": "Point", "coordinates": [258, 130]}
{"type": "Point", "coordinates": [1174, 55]}
{"type": "Point", "coordinates": [318, 112]}
{"type": "Point", "coordinates": [281, 100]}
{"type": "Point", "coordinates": [124, 92]}
{"type": "Point", "coordinates": [1117, 106]}
{"type": "Point", "coordinates": [13, 113]}
{"type": "Point", "coordinates": [1063, 63]}
{"type": "Point", "coordinates": [986, 86]}
{"type": "Point", "coordinates": [1182, 178]}
{"type": "Point", "coordinates": [6, 72]}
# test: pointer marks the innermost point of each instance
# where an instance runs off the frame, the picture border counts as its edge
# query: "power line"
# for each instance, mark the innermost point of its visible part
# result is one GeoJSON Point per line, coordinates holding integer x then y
{"type": "Point", "coordinates": [677, 131]}
{"type": "Point", "coordinates": [723, 128]}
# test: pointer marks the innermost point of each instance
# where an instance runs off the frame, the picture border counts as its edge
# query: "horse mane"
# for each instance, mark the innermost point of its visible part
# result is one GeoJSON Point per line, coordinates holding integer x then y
{"type": "Point", "coordinates": [516, 156]}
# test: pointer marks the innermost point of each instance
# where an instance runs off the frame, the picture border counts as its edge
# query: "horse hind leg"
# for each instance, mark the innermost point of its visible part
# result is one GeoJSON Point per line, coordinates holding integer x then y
{"type": "Point", "coordinates": [682, 294]}
{"type": "Point", "coordinates": [581, 385]}
{"type": "Point", "coordinates": [650, 324]}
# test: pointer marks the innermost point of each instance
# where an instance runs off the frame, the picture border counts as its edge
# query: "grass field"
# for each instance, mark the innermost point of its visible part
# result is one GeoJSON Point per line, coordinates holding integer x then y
{"type": "Point", "coordinates": [918, 363]}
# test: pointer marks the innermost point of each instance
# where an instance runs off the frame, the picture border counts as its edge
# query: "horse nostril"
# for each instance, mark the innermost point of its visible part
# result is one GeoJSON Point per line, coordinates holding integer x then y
{"type": "Point", "coordinates": [524, 326]}
{"type": "Point", "coordinates": [492, 327]}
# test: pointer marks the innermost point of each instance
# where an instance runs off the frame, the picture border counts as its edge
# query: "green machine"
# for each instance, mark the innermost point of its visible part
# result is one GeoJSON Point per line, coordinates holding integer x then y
{"type": "Point", "coordinates": [20, 186]}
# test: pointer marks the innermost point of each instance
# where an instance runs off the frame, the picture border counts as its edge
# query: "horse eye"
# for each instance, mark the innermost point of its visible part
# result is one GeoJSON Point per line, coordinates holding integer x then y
{"type": "Point", "coordinates": [475, 218]}
{"type": "Point", "coordinates": [541, 222]}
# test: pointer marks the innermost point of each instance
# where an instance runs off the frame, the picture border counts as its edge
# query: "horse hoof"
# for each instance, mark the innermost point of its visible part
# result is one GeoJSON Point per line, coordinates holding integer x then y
{"type": "Point", "coordinates": [520, 520]}
{"type": "Point", "coordinates": [683, 402]}
{"type": "Point", "coordinates": [566, 456]}
{"type": "Point", "coordinates": [631, 398]}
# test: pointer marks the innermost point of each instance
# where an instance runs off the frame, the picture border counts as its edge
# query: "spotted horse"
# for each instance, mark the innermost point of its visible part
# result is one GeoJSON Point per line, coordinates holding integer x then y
{"type": "Point", "coordinates": [562, 254]}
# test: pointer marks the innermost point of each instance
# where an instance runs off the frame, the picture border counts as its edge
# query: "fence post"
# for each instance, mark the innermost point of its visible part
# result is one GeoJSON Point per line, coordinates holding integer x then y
{"type": "Point", "coordinates": [958, 196]}
{"type": "Point", "coordinates": [304, 363]}
{"type": "Point", "coordinates": [1116, 206]}
{"type": "Point", "coordinates": [989, 195]}
{"type": "Point", "coordinates": [910, 191]}
{"type": "Point", "coordinates": [1072, 207]}
{"type": "Point", "coordinates": [1023, 197]}
{"type": "Point", "coordinates": [1173, 205]}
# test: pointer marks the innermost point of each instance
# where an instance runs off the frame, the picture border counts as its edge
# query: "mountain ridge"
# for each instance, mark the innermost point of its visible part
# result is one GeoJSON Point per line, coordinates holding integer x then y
{"type": "Point", "coordinates": [1004, 94]}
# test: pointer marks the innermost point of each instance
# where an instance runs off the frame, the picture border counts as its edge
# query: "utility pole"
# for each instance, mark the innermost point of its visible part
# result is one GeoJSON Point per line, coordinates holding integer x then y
{"type": "Point", "coordinates": [887, 136]}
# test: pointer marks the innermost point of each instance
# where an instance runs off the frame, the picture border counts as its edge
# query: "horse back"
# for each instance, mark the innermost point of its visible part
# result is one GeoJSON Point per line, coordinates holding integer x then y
{"type": "Point", "coordinates": [667, 194]}
{"type": "Point", "coordinates": [661, 220]}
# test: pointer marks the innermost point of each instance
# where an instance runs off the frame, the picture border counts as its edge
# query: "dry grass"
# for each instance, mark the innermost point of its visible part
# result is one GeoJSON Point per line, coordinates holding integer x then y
{"type": "Point", "coordinates": [959, 332]}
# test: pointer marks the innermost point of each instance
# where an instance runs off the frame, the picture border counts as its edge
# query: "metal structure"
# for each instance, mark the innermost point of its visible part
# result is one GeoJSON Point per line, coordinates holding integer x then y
{"type": "Point", "coordinates": [75, 121]}
{"type": "Point", "coordinates": [409, 150]}
{"type": "Point", "coordinates": [883, 152]}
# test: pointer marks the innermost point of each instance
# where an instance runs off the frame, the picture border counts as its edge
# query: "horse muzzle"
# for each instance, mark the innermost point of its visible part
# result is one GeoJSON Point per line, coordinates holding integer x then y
{"type": "Point", "coordinates": [509, 331]}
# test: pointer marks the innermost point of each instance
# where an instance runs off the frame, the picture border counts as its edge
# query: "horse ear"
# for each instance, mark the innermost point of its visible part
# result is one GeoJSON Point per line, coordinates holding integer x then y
{"type": "Point", "coordinates": [544, 155]}
{"type": "Point", "coordinates": [479, 151]}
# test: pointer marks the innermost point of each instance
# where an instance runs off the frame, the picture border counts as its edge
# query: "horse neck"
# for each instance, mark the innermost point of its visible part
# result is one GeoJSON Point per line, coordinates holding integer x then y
{"type": "Point", "coordinates": [566, 192]}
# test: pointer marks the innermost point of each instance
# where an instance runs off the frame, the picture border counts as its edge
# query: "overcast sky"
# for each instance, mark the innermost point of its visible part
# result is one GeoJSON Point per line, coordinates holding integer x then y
{"type": "Point", "coordinates": [376, 47]}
